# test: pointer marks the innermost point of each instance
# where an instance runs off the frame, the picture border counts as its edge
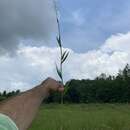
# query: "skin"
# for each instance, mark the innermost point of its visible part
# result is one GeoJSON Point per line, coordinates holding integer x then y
{"type": "Point", "coordinates": [22, 109]}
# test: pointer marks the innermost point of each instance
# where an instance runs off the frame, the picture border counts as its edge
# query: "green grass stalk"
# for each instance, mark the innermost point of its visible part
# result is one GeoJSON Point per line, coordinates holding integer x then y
{"type": "Point", "coordinates": [63, 54]}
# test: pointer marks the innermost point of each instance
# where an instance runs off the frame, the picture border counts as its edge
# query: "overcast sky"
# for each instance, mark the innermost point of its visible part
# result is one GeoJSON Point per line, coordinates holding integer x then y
{"type": "Point", "coordinates": [96, 32]}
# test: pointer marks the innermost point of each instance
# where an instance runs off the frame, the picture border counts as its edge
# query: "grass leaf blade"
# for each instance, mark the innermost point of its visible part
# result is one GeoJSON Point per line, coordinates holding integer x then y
{"type": "Point", "coordinates": [59, 41]}
{"type": "Point", "coordinates": [65, 57]}
{"type": "Point", "coordinates": [58, 72]}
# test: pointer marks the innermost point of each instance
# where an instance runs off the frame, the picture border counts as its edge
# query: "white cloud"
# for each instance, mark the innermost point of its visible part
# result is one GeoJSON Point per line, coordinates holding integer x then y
{"type": "Point", "coordinates": [31, 65]}
{"type": "Point", "coordinates": [119, 42]}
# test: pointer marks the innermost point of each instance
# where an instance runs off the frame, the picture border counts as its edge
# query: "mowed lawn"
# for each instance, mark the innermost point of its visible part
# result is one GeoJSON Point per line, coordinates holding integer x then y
{"type": "Point", "coordinates": [83, 117]}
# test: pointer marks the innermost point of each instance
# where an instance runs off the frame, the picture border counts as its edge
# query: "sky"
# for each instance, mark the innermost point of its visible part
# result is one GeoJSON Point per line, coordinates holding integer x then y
{"type": "Point", "coordinates": [95, 32]}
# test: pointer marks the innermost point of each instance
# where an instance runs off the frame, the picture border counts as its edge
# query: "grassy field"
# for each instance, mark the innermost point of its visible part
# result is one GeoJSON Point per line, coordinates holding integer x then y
{"type": "Point", "coordinates": [83, 117]}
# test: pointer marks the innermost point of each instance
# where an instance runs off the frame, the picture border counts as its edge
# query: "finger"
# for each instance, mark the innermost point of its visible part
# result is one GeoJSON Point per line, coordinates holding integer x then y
{"type": "Point", "coordinates": [61, 88]}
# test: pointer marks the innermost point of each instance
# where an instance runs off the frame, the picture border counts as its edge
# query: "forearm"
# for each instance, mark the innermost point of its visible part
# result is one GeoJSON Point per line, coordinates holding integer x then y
{"type": "Point", "coordinates": [23, 107]}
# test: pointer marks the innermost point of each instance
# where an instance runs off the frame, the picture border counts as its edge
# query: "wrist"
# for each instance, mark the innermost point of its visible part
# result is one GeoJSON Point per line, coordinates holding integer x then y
{"type": "Point", "coordinates": [41, 91]}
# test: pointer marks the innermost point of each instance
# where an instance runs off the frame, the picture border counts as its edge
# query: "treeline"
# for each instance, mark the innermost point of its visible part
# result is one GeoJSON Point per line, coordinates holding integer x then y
{"type": "Point", "coordinates": [103, 89]}
{"type": "Point", "coordinates": [4, 95]}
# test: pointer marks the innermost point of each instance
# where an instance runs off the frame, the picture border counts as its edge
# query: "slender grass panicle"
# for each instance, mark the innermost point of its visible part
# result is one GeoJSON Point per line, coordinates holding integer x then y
{"type": "Point", "coordinates": [63, 53]}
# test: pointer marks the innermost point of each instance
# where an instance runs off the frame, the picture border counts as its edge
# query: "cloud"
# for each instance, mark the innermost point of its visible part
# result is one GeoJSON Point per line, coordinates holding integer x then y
{"type": "Point", "coordinates": [25, 19]}
{"type": "Point", "coordinates": [31, 65]}
{"type": "Point", "coordinates": [119, 42]}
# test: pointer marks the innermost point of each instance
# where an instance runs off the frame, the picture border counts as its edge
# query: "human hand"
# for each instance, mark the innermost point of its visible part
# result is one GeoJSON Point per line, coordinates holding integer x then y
{"type": "Point", "coordinates": [53, 85]}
